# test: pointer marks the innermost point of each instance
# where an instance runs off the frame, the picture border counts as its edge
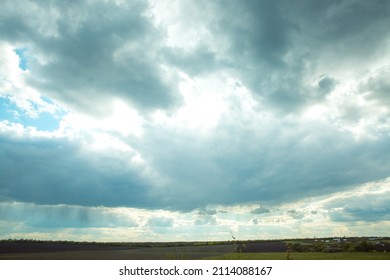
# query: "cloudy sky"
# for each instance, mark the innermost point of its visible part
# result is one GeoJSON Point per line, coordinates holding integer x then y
{"type": "Point", "coordinates": [194, 120]}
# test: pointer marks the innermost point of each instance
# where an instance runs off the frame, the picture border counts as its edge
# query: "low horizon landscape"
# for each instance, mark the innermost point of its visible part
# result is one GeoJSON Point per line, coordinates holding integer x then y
{"type": "Point", "coordinates": [340, 248]}
{"type": "Point", "coordinates": [174, 121]}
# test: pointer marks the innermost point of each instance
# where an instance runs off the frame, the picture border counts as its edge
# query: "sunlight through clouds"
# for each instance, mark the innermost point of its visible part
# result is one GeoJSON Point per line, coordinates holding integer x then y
{"type": "Point", "coordinates": [194, 120]}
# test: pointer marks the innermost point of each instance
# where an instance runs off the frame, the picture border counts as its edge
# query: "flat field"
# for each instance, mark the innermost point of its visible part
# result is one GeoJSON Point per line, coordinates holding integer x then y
{"type": "Point", "coordinates": [248, 250]}
{"type": "Point", "coordinates": [304, 256]}
{"type": "Point", "coordinates": [98, 252]}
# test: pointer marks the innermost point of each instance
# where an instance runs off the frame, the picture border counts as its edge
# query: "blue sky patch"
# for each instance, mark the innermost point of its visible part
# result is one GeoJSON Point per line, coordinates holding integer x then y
{"type": "Point", "coordinates": [21, 52]}
{"type": "Point", "coordinates": [44, 122]}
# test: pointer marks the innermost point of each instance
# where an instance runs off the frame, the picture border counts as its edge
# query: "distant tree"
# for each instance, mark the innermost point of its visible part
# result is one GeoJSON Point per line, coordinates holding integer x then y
{"type": "Point", "coordinates": [295, 247]}
{"type": "Point", "coordinates": [364, 246]}
{"type": "Point", "coordinates": [319, 246]}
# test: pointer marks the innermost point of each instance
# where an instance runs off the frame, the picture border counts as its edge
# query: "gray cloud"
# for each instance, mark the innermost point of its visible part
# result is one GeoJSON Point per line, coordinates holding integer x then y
{"type": "Point", "coordinates": [206, 217]}
{"type": "Point", "coordinates": [57, 172]}
{"type": "Point", "coordinates": [270, 165]}
{"type": "Point", "coordinates": [328, 163]}
{"type": "Point", "coordinates": [87, 53]}
{"type": "Point", "coordinates": [282, 161]}
{"type": "Point", "coordinates": [336, 23]}
{"type": "Point", "coordinates": [272, 46]}
{"type": "Point", "coordinates": [326, 84]}
{"type": "Point", "coordinates": [362, 214]}
{"type": "Point", "coordinates": [260, 210]}
{"type": "Point", "coordinates": [98, 50]}
{"type": "Point", "coordinates": [370, 207]}
{"type": "Point", "coordinates": [275, 46]}
{"type": "Point", "coordinates": [378, 88]}
{"type": "Point", "coordinates": [261, 32]}
{"type": "Point", "coordinates": [63, 216]}
{"type": "Point", "coordinates": [259, 40]}
{"type": "Point", "coordinates": [295, 214]}
{"type": "Point", "coordinates": [207, 212]}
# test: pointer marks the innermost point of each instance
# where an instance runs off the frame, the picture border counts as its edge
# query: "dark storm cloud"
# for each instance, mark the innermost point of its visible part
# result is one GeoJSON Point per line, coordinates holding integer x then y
{"type": "Point", "coordinates": [260, 210]}
{"type": "Point", "coordinates": [97, 50]}
{"type": "Point", "coordinates": [273, 166]}
{"type": "Point", "coordinates": [378, 88]}
{"type": "Point", "coordinates": [58, 172]}
{"type": "Point", "coordinates": [335, 24]}
{"type": "Point", "coordinates": [88, 52]}
{"type": "Point", "coordinates": [371, 207]}
{"type": "Point", "coordinates": [326, 84]}
{"type": "Point", "coordinates": [260, 35]}
{"type": "Point", "coordinates": [258, 30]}
{"type": "Point", "coordinates": [274, 46]}
{"type": "Point", "coordinates": [207, 212]}
{"type": "Point", "coordinates": [362, 214]}
{"type": "Point", "coordinates": [247, 167]}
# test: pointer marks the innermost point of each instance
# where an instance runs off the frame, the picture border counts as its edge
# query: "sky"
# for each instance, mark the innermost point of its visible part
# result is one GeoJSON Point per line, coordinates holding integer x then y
{"type": "Point", "coordinates": [194, 120]}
